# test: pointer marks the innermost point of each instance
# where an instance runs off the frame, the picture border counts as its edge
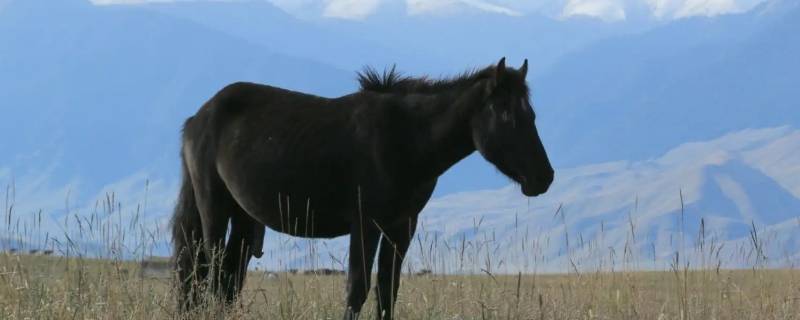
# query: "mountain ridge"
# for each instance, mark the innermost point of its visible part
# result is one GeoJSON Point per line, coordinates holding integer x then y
{"type": "Point", "coordinates": [122, 78]}
{"type": "Point", "coordinates": [673, 84]}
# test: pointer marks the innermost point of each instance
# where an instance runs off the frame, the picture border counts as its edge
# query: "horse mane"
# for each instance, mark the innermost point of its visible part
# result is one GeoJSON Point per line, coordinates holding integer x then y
{"type": "Point", "coordinates": [393, 81]}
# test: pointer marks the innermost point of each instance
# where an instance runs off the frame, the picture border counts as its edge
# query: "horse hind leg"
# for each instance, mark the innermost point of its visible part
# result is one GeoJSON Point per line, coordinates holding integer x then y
{"type": "Point", "coordinates": [229, 259]}
{"type": "Point", "coordinates": [245, 241]}
{"type": "Point", "coordinates": [216, 208]}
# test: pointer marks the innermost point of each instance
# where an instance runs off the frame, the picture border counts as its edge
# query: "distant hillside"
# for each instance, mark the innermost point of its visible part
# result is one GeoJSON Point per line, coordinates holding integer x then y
{"type": "Point", "coordinates": [93, 97]}
{"type": "Point", "coordinates": [473, 38]}
{"type": "Point", "coordinates": [121, 79]}
{"type": "Point", "coordinates": [259, 22]}
{"type": "Point", "coordinates": [446, 44]}
{"type": "Point", "coordinates": [634, 97]}
{"type": "Point", "coordinates": [96, 93]}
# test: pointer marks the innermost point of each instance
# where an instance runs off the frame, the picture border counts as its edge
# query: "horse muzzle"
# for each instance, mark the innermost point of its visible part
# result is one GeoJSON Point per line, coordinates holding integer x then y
{"type": "Point", "coordinates": [535, 187]}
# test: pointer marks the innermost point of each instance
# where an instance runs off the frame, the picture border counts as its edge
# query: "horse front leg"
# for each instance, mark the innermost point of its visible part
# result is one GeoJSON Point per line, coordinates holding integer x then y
{"type": "Point", "coordinates": [364, 238]}
{"type": "Point", "coordinates": [394, 245]}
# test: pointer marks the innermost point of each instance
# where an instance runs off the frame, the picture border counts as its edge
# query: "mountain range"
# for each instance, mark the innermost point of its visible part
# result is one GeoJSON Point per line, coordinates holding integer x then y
{"type": "Point", "coordinates": [694, 79]}
{"type": "Point", "coordinates": [93, 98]}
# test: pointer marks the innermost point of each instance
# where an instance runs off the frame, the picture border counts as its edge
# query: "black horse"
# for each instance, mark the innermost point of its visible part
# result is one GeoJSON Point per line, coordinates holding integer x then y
{"type": "Point", "coordinates": [363, 164]}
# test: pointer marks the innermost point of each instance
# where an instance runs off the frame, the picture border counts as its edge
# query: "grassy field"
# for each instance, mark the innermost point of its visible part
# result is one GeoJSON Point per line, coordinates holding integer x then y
{"type": "Point", "coordinates": [462, 285]}
{"type": "Point", "coordinates": [40, 287]}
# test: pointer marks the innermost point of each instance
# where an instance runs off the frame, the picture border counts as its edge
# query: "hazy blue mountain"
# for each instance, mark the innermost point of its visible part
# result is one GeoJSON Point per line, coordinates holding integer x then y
{"type": "Point", "coordinates": [92, 99]}
{"type": "Point", "coordinates": [259, 22]}
{"type": "Point", "coordinates": [635, 96]}
{"type": "Point", "coordinates": [470, 38]}
{"type": "Point", "coordinates": [122, 78]}
{"type": "Point", "coordinates": [99, 93]}
{"type": "Point", "coordinates": [391, 36]}
{"type": "Point", "coordinates": [156, 63]}
{"type": "Point", "coordinates": [630, 214]}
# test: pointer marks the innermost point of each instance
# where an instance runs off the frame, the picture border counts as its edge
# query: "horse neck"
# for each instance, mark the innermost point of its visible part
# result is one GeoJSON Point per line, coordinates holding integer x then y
{"type": "Point", "coordinates": [446, 137]}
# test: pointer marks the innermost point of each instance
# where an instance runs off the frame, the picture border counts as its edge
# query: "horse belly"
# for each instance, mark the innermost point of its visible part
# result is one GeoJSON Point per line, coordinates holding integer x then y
{"type": "Point", "coordinates": [292, 182]}
{"type": "Point", "coordinates": [309, 227]}
{"type": "Point", "coordinates": [311, 209]}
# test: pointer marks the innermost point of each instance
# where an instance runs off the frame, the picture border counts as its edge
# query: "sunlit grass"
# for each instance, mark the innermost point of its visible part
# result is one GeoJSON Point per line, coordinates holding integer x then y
{"type": "Point", "coordinates": [39, 287]}
{"type": "Point", "coordinates": [108, 283]}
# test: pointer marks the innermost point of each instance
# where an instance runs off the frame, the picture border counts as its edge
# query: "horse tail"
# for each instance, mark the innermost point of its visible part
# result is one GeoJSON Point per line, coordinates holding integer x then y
{"type": "Point", "coordinates": [187, 233]}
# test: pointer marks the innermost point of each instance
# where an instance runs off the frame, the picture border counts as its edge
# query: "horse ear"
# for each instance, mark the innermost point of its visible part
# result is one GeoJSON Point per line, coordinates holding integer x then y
{"type": "Point", "coordinates": [524, 69]}
{"type": "Point", "coordinates": [498, 73]}
{"type": "Point", "coordinates": [501, 67]}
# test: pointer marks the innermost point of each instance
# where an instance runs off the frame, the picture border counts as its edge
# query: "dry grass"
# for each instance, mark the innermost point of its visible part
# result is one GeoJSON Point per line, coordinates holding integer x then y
{"type": "Point", "coordinates": [72, 286]}
{"type": "Point", "coordinates": [38, 287]}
